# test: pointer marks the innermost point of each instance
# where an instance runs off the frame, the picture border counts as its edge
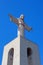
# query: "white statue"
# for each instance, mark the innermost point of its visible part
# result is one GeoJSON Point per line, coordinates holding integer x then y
{"type": "Point", "coordinates": [20, 22]}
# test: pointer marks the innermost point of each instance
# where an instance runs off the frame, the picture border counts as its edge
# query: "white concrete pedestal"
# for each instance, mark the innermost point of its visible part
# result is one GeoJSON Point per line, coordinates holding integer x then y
{"type": "Point", "coordinates": [20, 46]}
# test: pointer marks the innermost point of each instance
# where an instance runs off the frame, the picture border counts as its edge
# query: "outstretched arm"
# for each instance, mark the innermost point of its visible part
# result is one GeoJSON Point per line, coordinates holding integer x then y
{"type": "Point", "coordinates": [27, 27]}
{"type": "Point", "coordinates": [13, 19]}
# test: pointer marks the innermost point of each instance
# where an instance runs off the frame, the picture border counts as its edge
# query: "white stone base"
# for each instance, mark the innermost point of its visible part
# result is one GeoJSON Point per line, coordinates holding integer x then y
{"type": "Point", "coordinates": [20, 46]}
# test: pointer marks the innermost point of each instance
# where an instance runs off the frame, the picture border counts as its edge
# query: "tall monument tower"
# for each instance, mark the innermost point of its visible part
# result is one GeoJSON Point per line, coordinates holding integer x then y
{"type": "Point", "coordinates": [20, 51]}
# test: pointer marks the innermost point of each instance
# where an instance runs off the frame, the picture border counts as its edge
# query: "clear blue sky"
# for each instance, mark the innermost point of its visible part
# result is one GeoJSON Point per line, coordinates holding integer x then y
{"type": "Point", "coordinates": [33, 12]}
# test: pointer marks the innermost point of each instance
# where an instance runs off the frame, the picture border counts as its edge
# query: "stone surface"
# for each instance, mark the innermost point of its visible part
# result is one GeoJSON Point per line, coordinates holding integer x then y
{"type": "Point", "coordinates": [20, 46]}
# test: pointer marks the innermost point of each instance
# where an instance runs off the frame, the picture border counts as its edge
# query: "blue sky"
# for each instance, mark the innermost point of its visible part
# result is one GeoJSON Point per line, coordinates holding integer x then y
{"type": "Point", "coordinates": [33, 12]}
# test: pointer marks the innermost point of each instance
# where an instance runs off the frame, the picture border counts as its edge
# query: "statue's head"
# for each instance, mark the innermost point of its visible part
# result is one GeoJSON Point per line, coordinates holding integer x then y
{"type": "Point", "coordinates": [22, 16]}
